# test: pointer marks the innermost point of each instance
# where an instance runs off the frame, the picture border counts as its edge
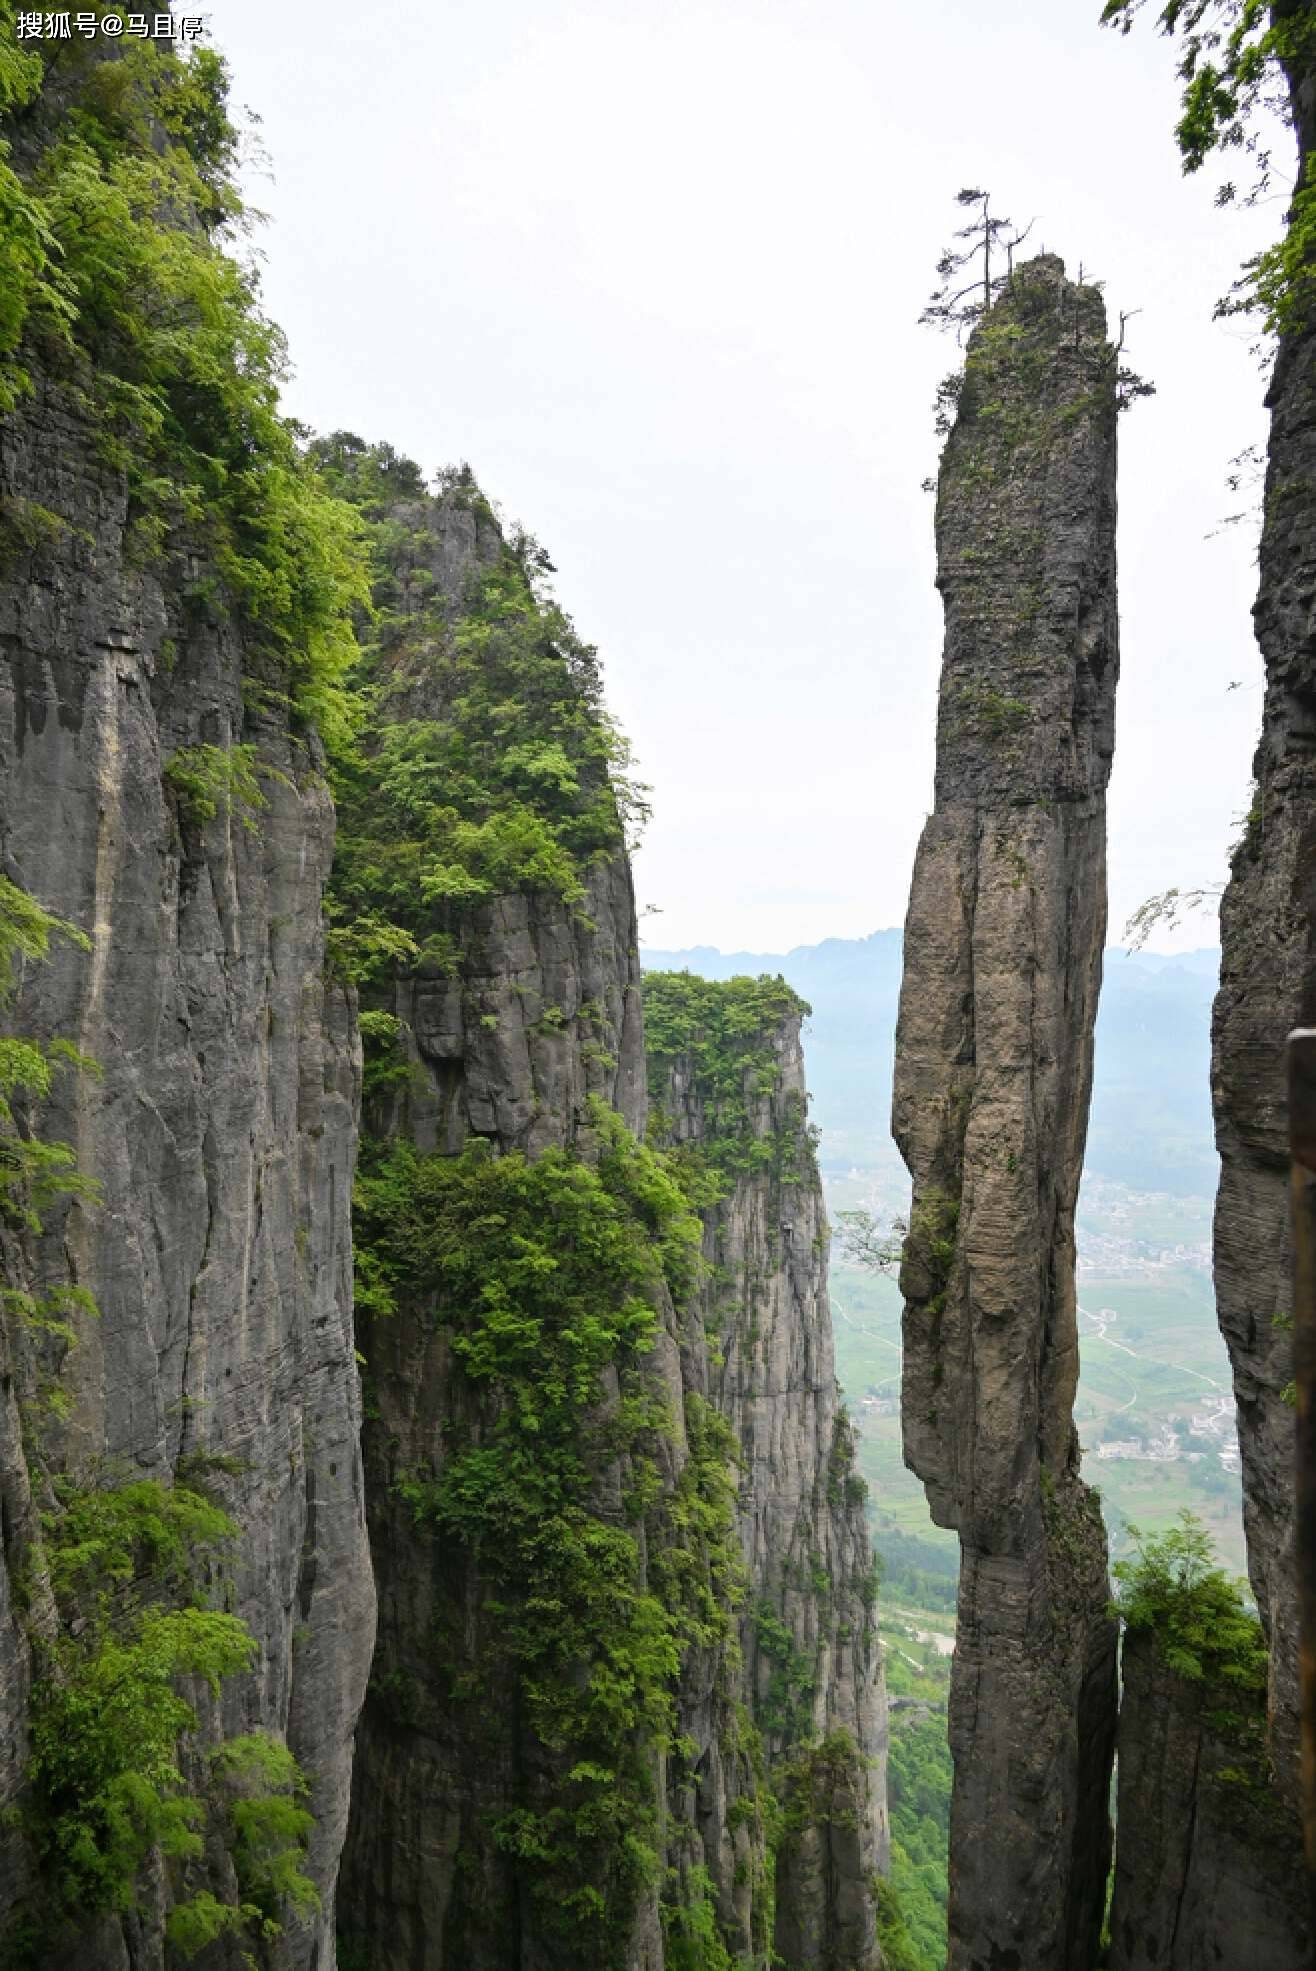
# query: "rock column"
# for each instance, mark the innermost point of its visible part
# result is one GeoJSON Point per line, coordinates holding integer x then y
{"type": "Point", "coordinates": [993, 1074]}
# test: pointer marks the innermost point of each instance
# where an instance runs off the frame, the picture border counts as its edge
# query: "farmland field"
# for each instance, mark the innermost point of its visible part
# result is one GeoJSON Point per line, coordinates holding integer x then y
{"type": "Point", "coordinates": [1152, 1361]}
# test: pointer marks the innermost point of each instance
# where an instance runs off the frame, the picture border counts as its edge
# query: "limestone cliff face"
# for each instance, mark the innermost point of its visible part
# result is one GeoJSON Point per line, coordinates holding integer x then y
{"type": "Point", "coordinates": [762, 1351]}
{"type": "Point", "coordinates": [993, 1073]}
{"type": "Point", "coordinates": [1268, 986]}
{"type": "Point", "coordinates": [220, 1130]}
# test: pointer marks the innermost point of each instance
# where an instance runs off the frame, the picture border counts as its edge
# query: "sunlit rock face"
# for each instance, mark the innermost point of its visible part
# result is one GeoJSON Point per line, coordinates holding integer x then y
{"type": "Point", "coordinates": [993, 1075]}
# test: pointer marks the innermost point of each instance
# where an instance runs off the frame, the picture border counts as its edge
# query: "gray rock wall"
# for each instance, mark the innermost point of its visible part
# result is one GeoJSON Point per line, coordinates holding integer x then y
{"type": "Point", "coordinates": [1209, 1867]}
{"type": "Point", "coordinates": [993, 1075]}
{"type": "Point", "coordinates": [1268, 986]}
{"type": "Point", "coordinates": [534, 1014]}
{"type": "Point", "coordinates": [221, 1129]}
{"type": "Point", "coordinates": [535, 1011]}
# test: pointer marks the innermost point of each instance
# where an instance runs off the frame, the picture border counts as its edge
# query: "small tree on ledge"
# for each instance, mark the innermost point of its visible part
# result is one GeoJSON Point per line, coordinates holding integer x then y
{"type": "Point", "coordinates": [958, 308]}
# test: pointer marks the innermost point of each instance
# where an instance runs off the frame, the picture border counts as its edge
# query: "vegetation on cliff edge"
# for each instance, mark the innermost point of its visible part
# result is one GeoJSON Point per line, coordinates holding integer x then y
{"type": "Point", "coordinates": [121, 281]}
{"type": "Point", "coordinates": [730, 1032]}
{"type": "Point", "coordinates": [487, 762]}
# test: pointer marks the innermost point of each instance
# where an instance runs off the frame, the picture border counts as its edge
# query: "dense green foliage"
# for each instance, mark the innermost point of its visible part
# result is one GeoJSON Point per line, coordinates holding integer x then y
{"type": "Point", "coordinates": [1171, 1589]}
{"type": "Point", "coordinates": [1237, 61]}
{"type": "Point", "coordinates": [729, 1030]}
{"type": "Point", "coordinates": [692, 1937]}
{"type": "Point", "coordinates": [118, 276]}
{"type": "Point", "coordinates": [207, 781]}
{"type": "Point", "coordinates": [109, 1721]}
{"type": "Point", "coordinates": [546, 1276]}
{"type": "Point", "coordinates": [785, 1707]}
{"type": "Point", "coordinates": [487, 762]}
{"type": "Point", "coordinates": [263, 1789]}
{"type": "Point", "coordinates": [900, 1951]}
{"type": "Point", "coordinates": [918, 1793]}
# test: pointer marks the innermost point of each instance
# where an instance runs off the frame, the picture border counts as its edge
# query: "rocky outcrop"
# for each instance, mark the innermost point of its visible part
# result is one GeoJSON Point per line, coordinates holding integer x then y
{"type": "Point", "coordinates": [993, 1074]}
{"type": "Point", "coordinates": [527, 1016]}
{"type": "Point", "coordinates": [219, 1125]}
{"type": "Point", "coordinates": [1209, 1867]}
{"type": "Point", "coordinates": [726, 1081]}
{"type": "Point", "coordinates": [1267, 987]}
{"type": "Point", "coordinates": [578, 1587]}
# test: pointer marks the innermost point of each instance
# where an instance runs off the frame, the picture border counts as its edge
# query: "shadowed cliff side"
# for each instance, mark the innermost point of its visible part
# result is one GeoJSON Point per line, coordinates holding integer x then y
{"type": "Point", "coordinates": [726, 1084]}
{"type": "Point", "coordinates": [993, 1075]}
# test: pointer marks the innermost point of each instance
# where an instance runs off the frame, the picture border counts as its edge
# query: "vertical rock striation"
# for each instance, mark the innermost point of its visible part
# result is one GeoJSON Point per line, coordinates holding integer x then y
{"type": "Point", "coordinates": [726, 1082]}
{"type": "Point", "coordinates": [220, 1127]}
{"type": "Point", "coordinates": [1003, 949]}
{"type": "Point", "coordinates": [517, 1013]}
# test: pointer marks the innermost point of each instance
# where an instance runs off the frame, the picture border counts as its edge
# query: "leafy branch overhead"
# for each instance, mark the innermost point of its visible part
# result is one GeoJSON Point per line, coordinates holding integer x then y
{"type": "Point", "coordinates": [1242, 64]}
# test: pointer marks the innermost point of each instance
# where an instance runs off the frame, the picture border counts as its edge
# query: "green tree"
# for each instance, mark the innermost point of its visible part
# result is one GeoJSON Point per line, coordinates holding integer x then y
{"type": "Point", "coordinates": [1171, 1589]}
{"type": "Point", "coordinates": [987, 256]}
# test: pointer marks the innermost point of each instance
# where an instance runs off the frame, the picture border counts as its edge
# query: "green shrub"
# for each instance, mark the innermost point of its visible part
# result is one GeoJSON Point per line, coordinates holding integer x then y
{"type": "Point", "coordinates": [143, 1530]}
{"type": "Point", "coordinates": [209, 780]}
{"type": "Point", "coordinates": [105, 1729]}
{"type": "Point", "coordinates": [785, 1709]}
{"type": "Point", "coordinates": [107, 1787]}
{"type": "Point", "coordinates": [504, 771]}
{"type": "Point", "coordinates": [1171, 1589]}
{"type": "Point", "coordinates": [269, 1826]}
{"type": "Point", "coordinates": [692, 1938]}
{"type": "Point", "coordinates": [32, 1172]}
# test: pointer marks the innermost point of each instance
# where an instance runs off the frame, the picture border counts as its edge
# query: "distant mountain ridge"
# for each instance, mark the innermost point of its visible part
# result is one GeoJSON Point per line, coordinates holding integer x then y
{"type": "Point", "coordinates": [1151, 1106]}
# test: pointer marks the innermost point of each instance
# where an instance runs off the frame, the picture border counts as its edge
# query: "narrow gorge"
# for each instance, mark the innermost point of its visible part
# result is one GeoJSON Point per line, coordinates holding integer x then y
{"type": "Point", "coordinates": [431, 1531]}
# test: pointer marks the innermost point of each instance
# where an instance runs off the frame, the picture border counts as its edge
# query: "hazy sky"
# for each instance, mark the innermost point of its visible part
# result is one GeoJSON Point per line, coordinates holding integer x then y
{"type": "Point", "coordinates": [654, 269]}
